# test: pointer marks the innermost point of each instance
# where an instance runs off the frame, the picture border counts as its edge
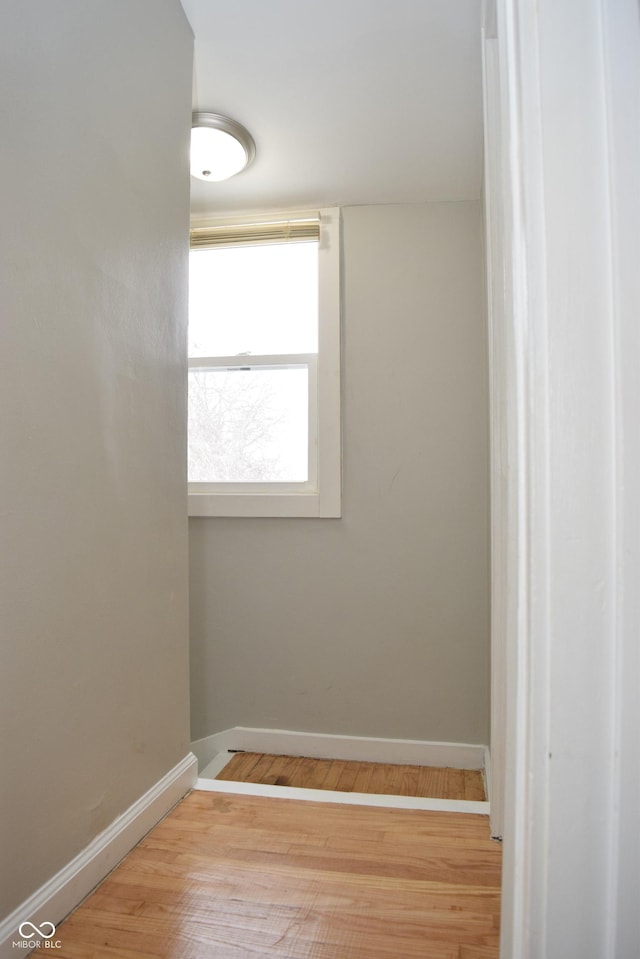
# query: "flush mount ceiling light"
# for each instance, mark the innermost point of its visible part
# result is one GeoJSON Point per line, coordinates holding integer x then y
{"type": "Point", "coordinates": [220, 147]}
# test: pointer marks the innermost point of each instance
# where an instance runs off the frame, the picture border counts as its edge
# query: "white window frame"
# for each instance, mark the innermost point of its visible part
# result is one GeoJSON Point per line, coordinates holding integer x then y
{"type": "Point", "coordinates": [321, 495]}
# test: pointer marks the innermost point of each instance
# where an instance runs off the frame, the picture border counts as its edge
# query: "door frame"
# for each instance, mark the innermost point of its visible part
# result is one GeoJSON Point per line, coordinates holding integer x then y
{"type": "Point", "coordinates": [569, 150]}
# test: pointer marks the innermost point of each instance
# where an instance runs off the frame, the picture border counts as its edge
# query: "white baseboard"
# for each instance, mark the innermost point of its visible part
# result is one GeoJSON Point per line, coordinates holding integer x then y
{"type": "Point", "coordinates": [206, 749]}
{"type": "Point", "coordinates": [64, 891]}
{"type": "Point", "coordinates": [285, 742]}
{"type": "Point", "coordinates": [216, 765]}
{"type": "Point", "coordinates": [345, 799]}
{"type": "Point", "coordinates": [486, 773]}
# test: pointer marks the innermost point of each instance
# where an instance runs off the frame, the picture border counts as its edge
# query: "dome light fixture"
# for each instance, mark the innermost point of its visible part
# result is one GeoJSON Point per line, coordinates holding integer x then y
{"type": "Point", "coordinates": [220, 147]}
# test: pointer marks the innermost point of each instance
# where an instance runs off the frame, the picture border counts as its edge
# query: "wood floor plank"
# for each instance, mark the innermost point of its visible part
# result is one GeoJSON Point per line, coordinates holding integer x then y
{"type": "Point", "coordinates": [361, 783]}
{"type": "Point", "coordinates": [436, 783]}
{"type": "Point", "coordinates": [382, 778]}
{"type": "Point", "coordinates": [476, 952]}
{"type": "Point", "coordinates": [455, 787]}
{"type": "Point", "coordinates": [244, 877]}
{"type": "Point", "coordinates": [348, 777]}
{"type": "Point", "coordinates": [333, 775]}
{"type": "Point", "coordinates": [411, 781]}
{"type": "Point", "coordinates": [285, 770]}
{"type": "Point", "coordinates": [239, 767]}
{"type": "Point", "coordinates": [322, 768]}
{"type": "Point", "coordinates": [474, 789]}
{"type": "Point", "coordinates": [311, 773]}
{"type": "Point", "coordinates": [261, 769]}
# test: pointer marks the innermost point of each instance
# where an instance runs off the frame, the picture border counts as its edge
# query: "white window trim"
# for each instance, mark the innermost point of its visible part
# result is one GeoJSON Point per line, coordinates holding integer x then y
{"type": "Point", "coordinates": [324, 497]}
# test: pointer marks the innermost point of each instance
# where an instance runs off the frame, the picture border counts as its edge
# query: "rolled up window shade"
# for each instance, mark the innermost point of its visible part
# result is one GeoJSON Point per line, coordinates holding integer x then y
{"type": "Point", "coordinates": [251, 234]}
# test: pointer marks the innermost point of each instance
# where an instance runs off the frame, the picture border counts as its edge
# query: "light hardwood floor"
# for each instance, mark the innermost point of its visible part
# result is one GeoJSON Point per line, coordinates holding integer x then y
{"type": "Point", "coordinates": [245, 877]}
{"type": "Point", "coordinates": [383, 778]}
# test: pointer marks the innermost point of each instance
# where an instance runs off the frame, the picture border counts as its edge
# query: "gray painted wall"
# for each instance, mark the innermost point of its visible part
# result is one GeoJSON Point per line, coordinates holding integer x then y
{"type": "Point", "coordinates": [95, 106]}
{"type": "Point", "coordinates": [376, 624]}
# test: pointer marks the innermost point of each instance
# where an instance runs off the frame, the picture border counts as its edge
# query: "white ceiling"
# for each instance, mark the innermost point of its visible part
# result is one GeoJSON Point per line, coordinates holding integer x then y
{"type": "Point", "coordinates": [349, 101]}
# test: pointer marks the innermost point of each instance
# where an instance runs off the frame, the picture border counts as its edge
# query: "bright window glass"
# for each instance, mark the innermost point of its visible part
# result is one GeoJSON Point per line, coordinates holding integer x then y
{"type": "Point", "coordinates": [254, 300]}
{"type": "Point", "coordinates": [248, 425]}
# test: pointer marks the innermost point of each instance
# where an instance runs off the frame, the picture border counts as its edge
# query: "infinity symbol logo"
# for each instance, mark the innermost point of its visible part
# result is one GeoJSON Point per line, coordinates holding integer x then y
{"type": "Point", "coordinates": [35, 931]}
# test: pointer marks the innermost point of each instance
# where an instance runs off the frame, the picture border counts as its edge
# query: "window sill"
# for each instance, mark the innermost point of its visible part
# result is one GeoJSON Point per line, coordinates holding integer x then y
{"type": "Point", "coordinates": [265, 505]}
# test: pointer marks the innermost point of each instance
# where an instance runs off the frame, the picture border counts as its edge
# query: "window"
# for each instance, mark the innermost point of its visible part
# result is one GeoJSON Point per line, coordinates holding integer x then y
{"type": "Point", "coordinates": [264, 366]}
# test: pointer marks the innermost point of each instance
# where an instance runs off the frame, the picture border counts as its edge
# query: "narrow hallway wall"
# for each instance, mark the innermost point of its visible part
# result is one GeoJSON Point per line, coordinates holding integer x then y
{"type": "Point", "coordinates": [96, 107]}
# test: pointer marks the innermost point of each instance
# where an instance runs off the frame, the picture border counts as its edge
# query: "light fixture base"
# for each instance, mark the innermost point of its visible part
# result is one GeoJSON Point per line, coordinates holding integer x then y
{"type": "Point", "coordinates": [224, 152]}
